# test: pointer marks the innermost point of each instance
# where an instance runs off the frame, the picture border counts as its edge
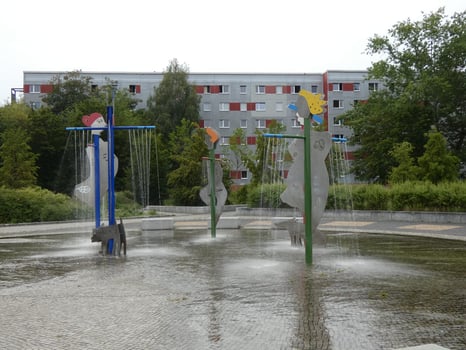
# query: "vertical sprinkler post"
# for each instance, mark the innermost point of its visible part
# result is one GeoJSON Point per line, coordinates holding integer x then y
{"type": "Point", "coordinates": [307, 192]}
{"type": "Point", "coordinates": [213, 221]}
{"type": "Point", "coordinates": [211, 141]}
{"type": "Point", "coordinates": [111, 167]}
{"type": "Point", "coordinates": [307, 107]}
{"type": "Point", "coordinates": [112, 235]}
{"type": "Point", "coordinates": [96, 139]}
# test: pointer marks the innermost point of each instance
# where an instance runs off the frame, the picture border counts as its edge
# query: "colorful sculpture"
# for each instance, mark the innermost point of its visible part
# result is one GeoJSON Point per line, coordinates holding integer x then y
{"type": "Point", "coordinates": [85, 191]}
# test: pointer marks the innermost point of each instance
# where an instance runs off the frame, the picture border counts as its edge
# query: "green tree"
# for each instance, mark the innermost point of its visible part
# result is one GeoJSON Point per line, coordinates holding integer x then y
{"type": "Point", "coordinates": [255, 161]}
{"type": "Point", "coordinates": [438, 164]}
{"type": "Point", "coordinates": [69, 90]}
{"type": "Point", "coordinates": [406, 170]}
{"type": "Point", "coordinates": [187, 145]}
{"type": "Point", "coordinates": [14, 115]}
{"type": "Point", "coordinates": [48, 141]}
{"type": "Point", "coordinates": [237, 150]}
{"type": "Point", "coordinates": [174, 99]}
{"type": "Point", "coordinates": [18, 163]}
{"type": "Point", "coordinates": [423, 71]}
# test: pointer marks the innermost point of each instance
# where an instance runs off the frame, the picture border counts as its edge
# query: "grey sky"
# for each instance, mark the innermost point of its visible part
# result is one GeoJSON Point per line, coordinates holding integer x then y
{"type": "Point", "coordinates": [207, 35]}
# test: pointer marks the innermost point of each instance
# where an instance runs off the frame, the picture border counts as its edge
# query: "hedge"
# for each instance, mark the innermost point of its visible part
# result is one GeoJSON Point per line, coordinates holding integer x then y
{"type": "Point", "coordinates": [415, 196]}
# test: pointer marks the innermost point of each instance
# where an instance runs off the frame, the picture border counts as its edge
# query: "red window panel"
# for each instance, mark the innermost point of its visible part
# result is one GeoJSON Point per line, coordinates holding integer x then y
{"type": "Point", "coordinates": [217, 155]}
{"type": "Point", "coordinates": [270, 89]}
{"type": "Point", "coordinates": [234, 106]}
{"type": "Point", "coordinates": [251, 106]}
{"type": "Point", "coordinates": [214, 89]}
{"type": "Point", "coordinates": [46, 89]}
{"type": "Point", "coordinates": [286, 89]}
{"type": "Point", "coordinates": [349, 156]}
{"type": "Point", "coordinates": [330, 87]}
{"type": "Point", "coordinates": [26, 88]}
{"type": "Point", "coordinates": [348, 87]}
{"type": "Point", "coordinates": [138, 89]}
{"type": "Point", "coordinates": [268, 122]}
{"type": "Point", "coordinates": [285, 174]}
{"type": "Point", "coordinates": [251, 140]}
{"type": "Point", "coordinates": [235, 174]}
{"type": "Point", "coordinates": [201, 123]}
{"type": "Point", "coordinates": [199, 89]}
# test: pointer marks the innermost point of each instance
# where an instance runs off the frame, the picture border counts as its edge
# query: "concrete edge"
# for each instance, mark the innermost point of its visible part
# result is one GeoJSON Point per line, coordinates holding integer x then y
{"type": "Point", "coordinates": [391, 232]}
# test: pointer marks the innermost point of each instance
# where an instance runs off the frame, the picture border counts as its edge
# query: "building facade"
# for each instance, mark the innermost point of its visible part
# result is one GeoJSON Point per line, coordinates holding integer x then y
{"type": "Point", "coordinates": [229, 101]}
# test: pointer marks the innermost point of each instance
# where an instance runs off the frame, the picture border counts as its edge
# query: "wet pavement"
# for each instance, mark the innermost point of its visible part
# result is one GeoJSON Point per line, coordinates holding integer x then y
{"type": "Point", "coordinates": [245, 289]}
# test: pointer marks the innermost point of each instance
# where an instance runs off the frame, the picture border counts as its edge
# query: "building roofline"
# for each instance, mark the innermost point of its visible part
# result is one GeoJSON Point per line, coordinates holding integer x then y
{"type": "Point", "coordinates": [196, 73]}
{"type": "Point", "coordinates": [346, 71]}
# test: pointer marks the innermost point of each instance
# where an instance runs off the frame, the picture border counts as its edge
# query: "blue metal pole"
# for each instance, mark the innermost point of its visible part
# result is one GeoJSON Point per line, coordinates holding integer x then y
{"type": "Point", "coordinates": [111, 167]}
{"type": "Point", "coordinates": [96, 139]}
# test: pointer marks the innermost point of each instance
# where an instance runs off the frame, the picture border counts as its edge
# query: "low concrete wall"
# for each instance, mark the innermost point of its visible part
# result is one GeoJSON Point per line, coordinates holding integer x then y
{"type": "Point", "coordinates": [408, 216]}
{"type": "Point", "coordinates": [371, 215]}
{"type": "Point", "coordinates": [267, 212]}
{"type": "Point", "coordinates": [187, 209]}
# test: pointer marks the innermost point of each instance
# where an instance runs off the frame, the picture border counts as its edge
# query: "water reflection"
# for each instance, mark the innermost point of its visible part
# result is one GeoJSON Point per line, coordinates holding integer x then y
{"type": "Point", "coordinates": [250, 289]}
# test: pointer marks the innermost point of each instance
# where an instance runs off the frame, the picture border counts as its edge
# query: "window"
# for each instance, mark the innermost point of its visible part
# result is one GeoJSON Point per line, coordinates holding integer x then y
{"type": "Point", "coordinates": [295, 89]}
{"type": "Point", "coordinates": [243, 107]}
{"type": "Point", "coordinates": [244, 174]}
{"type": "Point", "coordinates": [337, 103]}
{"type": "Point", "coordinates": [337, 122]}
{"type": "Point", "coordinates": [260, 106]}
{"type": "Point", "coordinates": [224, 89]}
{"type": "Point", "coordinates": [224, 107]}
{"type": "Point", "coordinates": [207, 107]}
{"type": "Point", "coordinates": [279, 106]}
{"type": "Point", "coordinates": [223, 123]}
{"type": "Point", "coordinates": [260, 89]}
{"type": "Point", "coordinates": [35, 105]}
{"type": "Point", "coordinates": [207, 123]}
{"type": "Point", "coordinates": [338, 137]}
{"type": "Point", "coordinates": [279, 89]}
{"type": "Point", "coordinates": [260, 123]}
{"type": "Point", "coordinates": [207, 89]}
{"type": "Point", "coordinates": [132, 89]}
{"type": "Point", "coordinates": [94, 87]}
{"type": "Point", "coordinates": [225, 140]}
{"type": "Point", "coordinates": [337, 86]}
{"type": "Point", "coordinates": [34, 89]}
{"type": "Point", "coordinates": [242, 89]}
{"type": "Point", "coordinates": [314, 89]}
{"type": "Point", "coordinates": [243, 123]}
{"type": "Point", "coordinates": [373, 86]}
{"type": "Point", "coordinates": [295, 123]}
{"type": "Point", "coordinates": [355, 102]}
{"type": "Point", "coordinates": [356, 87]}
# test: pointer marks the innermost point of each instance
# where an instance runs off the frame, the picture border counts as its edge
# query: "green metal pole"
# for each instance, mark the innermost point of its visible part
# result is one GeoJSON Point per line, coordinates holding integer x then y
{"type": "Point", "coordinates": [307, 191]}
{"type": "Point", "coordinates": [213, 221]}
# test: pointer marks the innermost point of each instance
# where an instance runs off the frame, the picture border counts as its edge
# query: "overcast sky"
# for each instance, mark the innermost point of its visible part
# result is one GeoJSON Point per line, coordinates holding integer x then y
{"type": "Point", "coordinates": [207, 35]}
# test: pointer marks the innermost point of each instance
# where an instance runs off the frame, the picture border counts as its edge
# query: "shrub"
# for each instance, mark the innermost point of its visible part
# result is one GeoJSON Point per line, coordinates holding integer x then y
{"type": "Point", "coordinates": [418, 196]}
{"type": "Point", "coordinates": [266, 196]}
{"type": "Point", "coordinates": [239, 195]}
{"type": "Point", "coordinates": [33, 204]}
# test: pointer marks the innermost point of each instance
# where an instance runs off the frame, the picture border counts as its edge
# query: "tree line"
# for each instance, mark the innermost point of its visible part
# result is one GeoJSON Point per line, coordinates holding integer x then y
{"type": "Point", "coordinates": [413, 129]}
{"type": "Point", "coordinates": [423, 69]}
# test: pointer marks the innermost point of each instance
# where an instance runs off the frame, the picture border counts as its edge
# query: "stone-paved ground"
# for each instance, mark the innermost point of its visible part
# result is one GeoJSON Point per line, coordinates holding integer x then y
{"type": "Point", "coordinates": [243, 290]}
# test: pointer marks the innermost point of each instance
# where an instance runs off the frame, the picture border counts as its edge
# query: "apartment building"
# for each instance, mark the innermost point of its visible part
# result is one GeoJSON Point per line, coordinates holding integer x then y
{"type": "Point", "coordinates": [229, 101]}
